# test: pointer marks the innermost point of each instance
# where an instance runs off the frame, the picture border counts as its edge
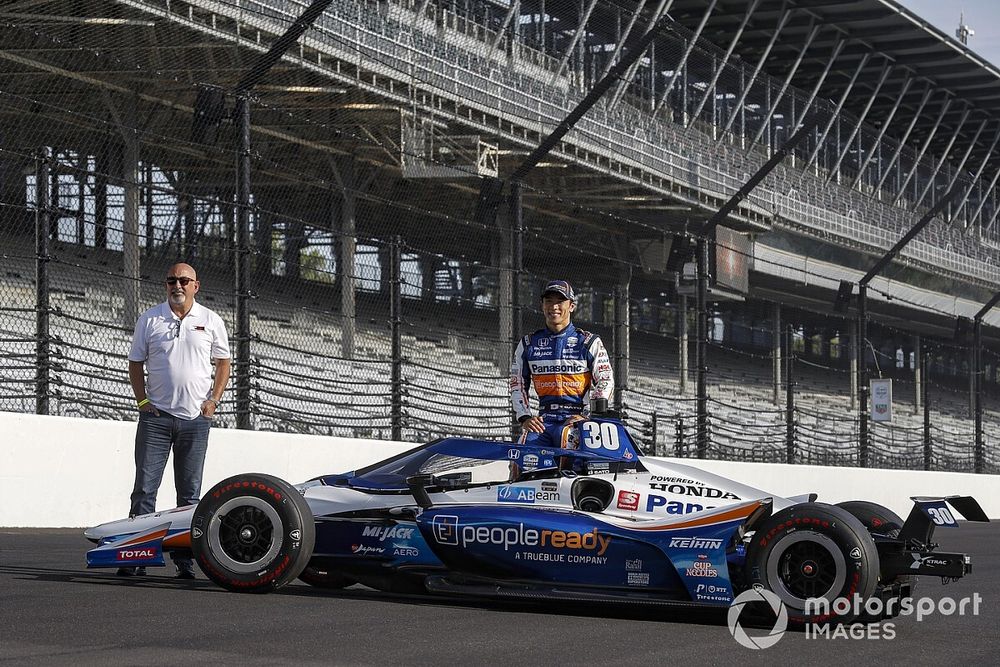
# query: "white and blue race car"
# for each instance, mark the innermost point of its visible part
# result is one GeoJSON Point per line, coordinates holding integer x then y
{"type": "Point", "coordinates": [594, 523]}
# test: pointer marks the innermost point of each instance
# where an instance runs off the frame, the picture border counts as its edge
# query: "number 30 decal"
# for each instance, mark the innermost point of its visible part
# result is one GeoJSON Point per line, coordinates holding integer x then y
{"type": "Point", "coordinates": [941, 516]}
{"type": "Point", "coordinates": [598, 435]}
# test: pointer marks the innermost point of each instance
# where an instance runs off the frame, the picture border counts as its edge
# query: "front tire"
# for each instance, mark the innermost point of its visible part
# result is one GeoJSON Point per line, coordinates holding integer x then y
{"type": "Point", "coordinates": [814, 550]}
{"type": "Point", "coordinates": [253, 533]}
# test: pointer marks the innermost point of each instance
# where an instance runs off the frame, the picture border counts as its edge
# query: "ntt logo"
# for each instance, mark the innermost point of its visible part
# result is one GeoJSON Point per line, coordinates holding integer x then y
{"type": "Point", "coordinates": [780, 622]}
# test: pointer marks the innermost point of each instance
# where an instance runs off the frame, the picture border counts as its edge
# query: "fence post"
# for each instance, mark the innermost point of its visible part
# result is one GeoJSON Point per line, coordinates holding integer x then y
{"type": "Point", "coordinates": [679, 438]}
{"type": "Point", "coordinates": [396, 317]}
{"type": "Point", "coordinates": [517, 260]}
{"type": "Point", "coordinates": [862, 376]}
{"type": "Point", "coordinates": [43, 227]}
{"type": "Point", "coordinates": [701, 346]}
{"type": "Point", "coordinates": [927, 409]}
{"type": "Point", "coordinates": [977, 395]}
{"type": "Point", "coordinates": [653, 432]}
{"type": "Point", "coordinates": [242, 264]}
{"type": "Point", "coordinates": [789, 399]}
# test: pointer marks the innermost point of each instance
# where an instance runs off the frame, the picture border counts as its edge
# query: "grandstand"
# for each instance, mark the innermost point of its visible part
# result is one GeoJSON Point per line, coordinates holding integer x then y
{"type": "Point", "coordinates": [382, 129]}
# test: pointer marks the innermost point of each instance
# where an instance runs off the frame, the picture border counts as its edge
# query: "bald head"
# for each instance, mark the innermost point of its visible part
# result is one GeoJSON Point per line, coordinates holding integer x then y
{"type": "Point", "coordinates": [182, 284]}
{"type": "Point", "coordinates": [182, 269]}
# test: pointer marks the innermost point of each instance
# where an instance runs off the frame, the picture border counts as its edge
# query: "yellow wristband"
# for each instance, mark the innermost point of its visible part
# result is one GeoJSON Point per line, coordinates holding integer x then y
{"type": "Point", "coordinates": [142, 402]}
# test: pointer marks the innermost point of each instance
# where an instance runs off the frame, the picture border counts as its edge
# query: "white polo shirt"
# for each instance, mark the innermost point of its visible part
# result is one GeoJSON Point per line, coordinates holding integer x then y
{"type": "Point", "coordinates": [178, 356]}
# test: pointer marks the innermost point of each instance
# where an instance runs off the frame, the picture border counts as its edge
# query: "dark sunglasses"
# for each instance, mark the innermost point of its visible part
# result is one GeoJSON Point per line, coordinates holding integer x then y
{"type": "Point", "coordinates": [183, 280]}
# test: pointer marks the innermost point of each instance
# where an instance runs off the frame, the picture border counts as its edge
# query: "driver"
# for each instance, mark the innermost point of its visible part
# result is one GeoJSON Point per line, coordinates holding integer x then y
{"type": "Point", "coordinates": [568, 367]}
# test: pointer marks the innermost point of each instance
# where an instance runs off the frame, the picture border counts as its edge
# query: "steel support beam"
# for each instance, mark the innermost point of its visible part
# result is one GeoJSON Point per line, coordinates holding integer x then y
{"type": "Point", "coordinates": [683, 61]}
{"type": "Point", "coordinates": [901, 144]}
{"type": "Point", "coordinates": [514, 7]}
{"type": "Point", "coordinates": [784, 86]}
{"type": "Point", "coordinates": [819, 82]}
{"type": "Point", "coordinates": [943, 158]}
{"type": "Point", "coordinates": [979, 209]}
{"type": "Point", "coordinates": [621, 39]}
{"type": "Point", "coordinates": [881, 133]}
{"type": "Point", "coordinates": [710, 90]}
{"type": "Point", "coordinates": [886, 69]}
{"type": "Point", "coordinates": [923, 149]}
{"type": "Point", "coordinates": [629, 72]}
{"type": "Point", "coordinates": [580, 30]}
{"type": "Point", "coordinates": [961, 166]}
{"type": "Point", "coordinates": [836, 111]}
{"type": "Point", "coordinates": [979, 173]}
{"type": "Point", "coordinates": [762, 59]}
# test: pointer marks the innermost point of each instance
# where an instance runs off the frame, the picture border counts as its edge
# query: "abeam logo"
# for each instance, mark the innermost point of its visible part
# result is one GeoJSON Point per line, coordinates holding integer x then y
{"type": "Point", "coordinates": [516, 494]}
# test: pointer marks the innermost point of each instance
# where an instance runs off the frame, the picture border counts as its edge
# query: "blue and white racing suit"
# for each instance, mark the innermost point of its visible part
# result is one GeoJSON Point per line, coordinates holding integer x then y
{"type": "Point", "coordinates": [567, 369]}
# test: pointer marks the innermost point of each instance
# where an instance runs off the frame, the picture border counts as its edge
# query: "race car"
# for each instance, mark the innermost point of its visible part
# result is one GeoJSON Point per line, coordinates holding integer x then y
{"type": "Point", "coordinates": [594, 521]}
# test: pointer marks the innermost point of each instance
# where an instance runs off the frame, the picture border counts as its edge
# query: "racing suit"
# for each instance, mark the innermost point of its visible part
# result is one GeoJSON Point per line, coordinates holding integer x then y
{"type": "Point", "coordinates": [567, 370]}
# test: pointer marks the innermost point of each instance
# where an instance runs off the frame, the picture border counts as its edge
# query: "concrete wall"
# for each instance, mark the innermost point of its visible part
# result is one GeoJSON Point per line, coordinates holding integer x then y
{"type": "Point", "coordinates": [66, 472]}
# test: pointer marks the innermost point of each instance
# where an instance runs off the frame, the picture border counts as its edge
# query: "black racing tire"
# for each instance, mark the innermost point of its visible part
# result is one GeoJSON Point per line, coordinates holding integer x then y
{"type": "Point", "coordinates": [253, 533]}
{"type": "Point", "coordinates": [814, 550]}
{"type": "Point", "coordinates": [876, 518]}
{"type": "Point", "coordinates": [321, 576]}
{"type": "Point", "coordinates": [879, 520]}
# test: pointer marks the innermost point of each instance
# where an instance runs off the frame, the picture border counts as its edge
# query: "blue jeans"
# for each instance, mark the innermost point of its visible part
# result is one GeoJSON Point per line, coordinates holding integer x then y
{"type": "Point", "coordinates": [154, 437]}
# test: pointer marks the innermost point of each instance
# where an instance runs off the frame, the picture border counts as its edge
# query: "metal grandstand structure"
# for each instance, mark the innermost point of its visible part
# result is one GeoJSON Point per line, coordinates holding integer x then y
{"type": "Point", "coordinates": [383, 297]}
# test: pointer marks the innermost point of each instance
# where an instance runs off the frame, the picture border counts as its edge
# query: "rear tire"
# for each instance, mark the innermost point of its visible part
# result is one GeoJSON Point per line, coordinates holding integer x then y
{"type": "Point", "coordinates": [879, 520]}
{"type": "Point", "coordinates": [252, 533]}
{"type": "Point", "coordinates": [814, 550]}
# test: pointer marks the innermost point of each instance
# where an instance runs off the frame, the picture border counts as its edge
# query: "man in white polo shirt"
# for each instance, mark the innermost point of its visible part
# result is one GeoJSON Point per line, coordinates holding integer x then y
{"type": "Point", "coordinates": [177, 343]}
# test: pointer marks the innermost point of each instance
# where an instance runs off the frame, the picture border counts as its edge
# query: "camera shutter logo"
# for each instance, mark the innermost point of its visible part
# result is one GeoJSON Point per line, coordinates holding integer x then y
{"type": "Point", "coordinates": [780, 623]}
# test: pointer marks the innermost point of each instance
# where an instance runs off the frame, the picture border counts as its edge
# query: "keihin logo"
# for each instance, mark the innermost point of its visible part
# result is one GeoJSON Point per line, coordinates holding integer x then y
{"type": "Point", "coordinates": [696, 542]}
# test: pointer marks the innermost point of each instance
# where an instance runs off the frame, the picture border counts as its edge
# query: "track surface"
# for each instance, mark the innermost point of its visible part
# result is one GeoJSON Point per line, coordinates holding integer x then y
{"type": "Point", "coordinates": [53, 611]}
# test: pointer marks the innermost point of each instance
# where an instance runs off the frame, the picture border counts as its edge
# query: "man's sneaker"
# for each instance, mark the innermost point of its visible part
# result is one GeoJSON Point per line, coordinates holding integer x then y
{"type": "Point", "coordinates": [185, 571]}
{"type": "Point", "coordinates": [131, 572]}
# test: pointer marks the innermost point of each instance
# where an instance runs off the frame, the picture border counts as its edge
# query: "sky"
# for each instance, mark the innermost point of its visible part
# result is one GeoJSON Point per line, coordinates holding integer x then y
{"type": "Point", "coordinates": [983, 16]}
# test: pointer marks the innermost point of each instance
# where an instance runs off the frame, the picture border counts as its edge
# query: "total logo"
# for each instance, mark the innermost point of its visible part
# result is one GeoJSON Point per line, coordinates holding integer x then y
{"type": "Point", "coordinates": [383, 533]}
{"type": "Point", "coordinates": [136, 554]}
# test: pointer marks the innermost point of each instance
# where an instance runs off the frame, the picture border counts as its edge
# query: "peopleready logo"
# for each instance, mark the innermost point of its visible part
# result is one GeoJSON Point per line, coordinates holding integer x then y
{"type": "Point", "coordinates": [854, 607]}
{"type": "Point", "coordinates": [447, 530]}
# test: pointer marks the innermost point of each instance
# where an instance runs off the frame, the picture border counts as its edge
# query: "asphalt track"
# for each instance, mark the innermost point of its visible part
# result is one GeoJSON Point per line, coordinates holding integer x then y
{"type": "Point", "coordinates": [53, 611]}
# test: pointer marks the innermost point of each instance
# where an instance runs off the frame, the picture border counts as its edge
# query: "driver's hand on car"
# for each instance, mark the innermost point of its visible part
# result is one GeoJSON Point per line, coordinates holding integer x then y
{"type": "Point", "coordinates": [533, 424]}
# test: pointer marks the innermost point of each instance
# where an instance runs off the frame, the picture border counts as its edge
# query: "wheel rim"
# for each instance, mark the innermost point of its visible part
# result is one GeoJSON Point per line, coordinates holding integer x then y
{"type": "Point", "coordinates": [805, 565]}
{"type": "Point", "coordinates": [245, 534]}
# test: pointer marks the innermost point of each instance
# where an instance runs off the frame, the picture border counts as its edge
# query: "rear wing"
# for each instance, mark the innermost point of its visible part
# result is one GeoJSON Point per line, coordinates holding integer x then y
{"type": "Point", "coordinates": [930, 512]}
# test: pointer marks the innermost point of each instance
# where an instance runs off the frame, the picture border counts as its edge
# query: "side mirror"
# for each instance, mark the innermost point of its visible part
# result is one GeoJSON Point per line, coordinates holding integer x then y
{"type": "Point", "coordinates": [452, 480]}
